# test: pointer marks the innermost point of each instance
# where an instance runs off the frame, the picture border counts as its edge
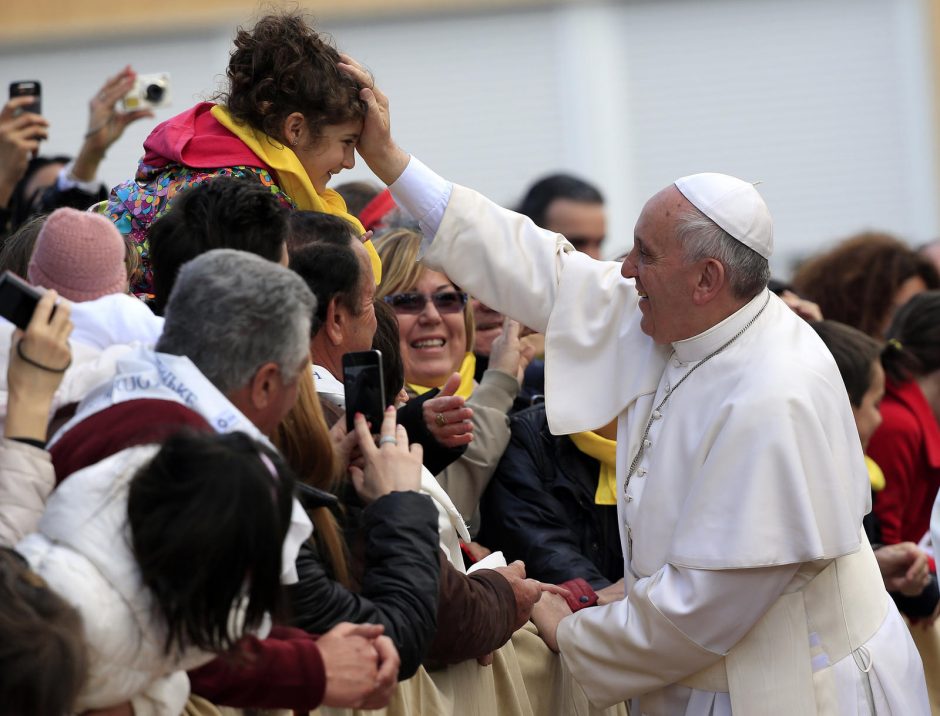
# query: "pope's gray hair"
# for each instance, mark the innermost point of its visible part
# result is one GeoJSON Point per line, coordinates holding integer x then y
{"type": "Point", "coordinates": [230, 312]}
{"type": "Point", "coordinates": [746, 270]}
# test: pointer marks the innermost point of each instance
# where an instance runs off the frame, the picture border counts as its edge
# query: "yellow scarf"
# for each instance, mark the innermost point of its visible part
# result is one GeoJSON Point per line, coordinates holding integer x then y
{"type": "Point", "coordinates": [467, 369]}
{"type": "Point", "coordinates": [605, 452]}
{"type": "Point", "coordinates": [292, 178]}
{"type": "Point", "coordinates": [875, 475]}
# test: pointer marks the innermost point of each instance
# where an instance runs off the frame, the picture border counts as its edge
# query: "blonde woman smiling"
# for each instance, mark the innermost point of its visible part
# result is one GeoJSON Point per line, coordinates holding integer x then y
{"type": "Point", "coordinates": [436, 328]}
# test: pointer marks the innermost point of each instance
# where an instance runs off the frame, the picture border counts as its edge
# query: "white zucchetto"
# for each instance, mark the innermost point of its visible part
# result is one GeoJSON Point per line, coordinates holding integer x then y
{"type": "Point", "coordinates": [733, 204]}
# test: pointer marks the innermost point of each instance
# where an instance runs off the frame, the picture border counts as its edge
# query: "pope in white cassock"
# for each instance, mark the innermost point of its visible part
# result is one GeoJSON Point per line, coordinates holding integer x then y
{"type": "Point", "coordinates": [750, 588]}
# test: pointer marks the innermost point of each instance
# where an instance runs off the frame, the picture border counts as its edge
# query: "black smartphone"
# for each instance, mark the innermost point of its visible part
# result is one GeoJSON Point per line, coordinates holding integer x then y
{"type": "Point", "coordinates": [28, 88]}
{"type": "Point", "coordinates": [365, 387]}
{"type": "Point", "coordinates": [17, 299]}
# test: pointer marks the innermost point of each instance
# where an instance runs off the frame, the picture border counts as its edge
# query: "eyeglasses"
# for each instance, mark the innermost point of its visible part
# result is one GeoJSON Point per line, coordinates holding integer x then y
{"type": "Point", "coordinates": [413, 303]}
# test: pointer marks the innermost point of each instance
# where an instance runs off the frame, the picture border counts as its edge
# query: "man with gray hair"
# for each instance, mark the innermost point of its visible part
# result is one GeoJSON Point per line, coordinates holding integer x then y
{"type": "Point", "coordinates": [244, 322]}
{"type": "Point", "coordinates": [235, 341]}
{"type": "Point", "coordinates": [741, 485]}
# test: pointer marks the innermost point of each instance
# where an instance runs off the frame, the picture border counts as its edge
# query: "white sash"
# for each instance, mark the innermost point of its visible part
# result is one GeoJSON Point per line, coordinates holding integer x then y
{"type": "Point", "coordinates": [144, 373]}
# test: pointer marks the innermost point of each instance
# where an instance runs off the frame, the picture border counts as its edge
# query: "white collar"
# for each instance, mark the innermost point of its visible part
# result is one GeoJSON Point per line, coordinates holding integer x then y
{"type": "Point", "coordinates": [327, 383]}
{"type": "Point", "coordinates": [690, 350]}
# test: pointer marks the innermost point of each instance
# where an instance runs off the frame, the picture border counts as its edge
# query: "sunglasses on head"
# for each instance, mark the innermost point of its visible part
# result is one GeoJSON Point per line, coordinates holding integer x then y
{"type": "Point", "coordinates": [414, 303]}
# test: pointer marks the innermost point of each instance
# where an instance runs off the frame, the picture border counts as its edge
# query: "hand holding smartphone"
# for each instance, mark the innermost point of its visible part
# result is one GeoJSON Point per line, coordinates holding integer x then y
{"type": "Point", "coordinates": [365, 388]}
{"type": "Point", "coordinates": [28, 88]}
{"type": "Point", "coordinates": [18, 299]}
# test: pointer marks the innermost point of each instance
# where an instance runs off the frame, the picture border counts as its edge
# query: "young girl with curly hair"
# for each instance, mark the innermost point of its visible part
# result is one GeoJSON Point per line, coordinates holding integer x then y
{"type": "Point", "coordinates": [289, 120]}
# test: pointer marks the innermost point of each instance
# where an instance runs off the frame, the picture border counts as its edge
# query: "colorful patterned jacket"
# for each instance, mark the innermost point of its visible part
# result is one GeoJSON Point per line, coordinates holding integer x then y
{"type": "Point", "coordinates": [181, 152]}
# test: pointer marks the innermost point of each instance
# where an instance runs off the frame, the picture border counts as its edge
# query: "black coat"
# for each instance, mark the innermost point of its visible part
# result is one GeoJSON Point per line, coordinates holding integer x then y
{"type": "Point", "coordinates": [539, 507]}
{"type": "Point", "coordinates": [400, 581]}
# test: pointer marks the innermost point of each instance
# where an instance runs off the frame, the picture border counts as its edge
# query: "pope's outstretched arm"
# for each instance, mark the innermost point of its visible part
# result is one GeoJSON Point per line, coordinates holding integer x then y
{"type": "Point", "coordinates": [584, 307]}
{"type": "Point", "coordinates": [499, 256]}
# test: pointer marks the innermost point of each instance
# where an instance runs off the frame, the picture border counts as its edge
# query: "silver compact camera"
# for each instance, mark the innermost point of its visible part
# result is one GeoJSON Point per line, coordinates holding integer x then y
{"type": "Point", "coordinates": [148, 92]}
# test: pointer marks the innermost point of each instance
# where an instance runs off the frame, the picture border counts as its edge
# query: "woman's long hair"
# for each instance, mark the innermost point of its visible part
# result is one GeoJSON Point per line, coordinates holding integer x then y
{"type": "Point", "coordinates": [913, 347]}
{"type": "Point", "coordinates": [208, 516]}
{"type": "Point", "coordinates": [304, 440]}
{"type": "Point", "coordinates": [856, 281]}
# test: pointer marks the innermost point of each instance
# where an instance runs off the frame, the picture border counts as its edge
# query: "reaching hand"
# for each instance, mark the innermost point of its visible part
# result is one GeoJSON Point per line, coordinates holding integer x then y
{"type": "Point", "coordinates": [446, 417]}
{"type": "Point", "coordinates": [38, 359]}
{"type": "Point", "coordinates": [526, 591]}
{"type": "Point", "coordinates": [546, 615]}
{"type": "Point", "coordinates": [357, 660]}
{"type": "Point", "coordinates": [20, 134]}
{"type": "Point", "coordinates": [376, 145]}
{"type": "Point", "coordinates": [344, 446]}
{"type": "Point", "coordinates": [509, 354]}
{"type": "Point", "coordinates": [904, 568]}
{"type": "Point", "coordinates": [105, 123]}
{"type": "Point", "coordinates": [392, 466]}
{"type": "Point", "coordinates": [805, 309]}
{"type": "Point", "coordinates": [611, 593]}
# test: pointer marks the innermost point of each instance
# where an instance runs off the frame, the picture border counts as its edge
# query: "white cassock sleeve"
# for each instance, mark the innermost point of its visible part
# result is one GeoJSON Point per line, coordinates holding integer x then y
{"type": "Point", "coordinates": [671, 625]}
{"type": "Point", "coordinates": [584, 307]}
{"type": "Point", "coordinates": [501, 257]}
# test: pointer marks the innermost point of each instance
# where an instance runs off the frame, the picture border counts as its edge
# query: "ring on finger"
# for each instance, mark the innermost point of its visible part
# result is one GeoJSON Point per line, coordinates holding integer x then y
{"type": "Point", "coordinates": [440, 420]}
{"type": "Point", "coordinates": [390, 439]}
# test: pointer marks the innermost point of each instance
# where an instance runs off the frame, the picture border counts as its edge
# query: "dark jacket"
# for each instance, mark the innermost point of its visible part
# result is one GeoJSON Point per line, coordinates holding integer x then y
{"type": "Point", "coordinates": [476, 615]}
{"type": "Point", "coordinates": [400, 579]}
{"type": "Point", "coordinates": [539, 507]}
{"type": "Point", "coordinates": [532, 390]}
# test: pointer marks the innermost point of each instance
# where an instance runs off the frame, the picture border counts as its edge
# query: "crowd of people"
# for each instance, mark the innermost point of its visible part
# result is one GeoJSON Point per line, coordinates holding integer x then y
{"type": "Point", "coordinates": [665, 484]}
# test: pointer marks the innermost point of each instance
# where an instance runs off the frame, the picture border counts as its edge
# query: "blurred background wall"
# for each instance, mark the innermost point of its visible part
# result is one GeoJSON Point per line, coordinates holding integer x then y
{"type": "Point", "coordinates": [829, 103]}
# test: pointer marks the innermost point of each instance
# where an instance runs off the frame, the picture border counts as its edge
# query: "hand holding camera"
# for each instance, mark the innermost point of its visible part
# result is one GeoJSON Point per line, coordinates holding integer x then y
{"type": "Point", "coordinates": [106, 123]}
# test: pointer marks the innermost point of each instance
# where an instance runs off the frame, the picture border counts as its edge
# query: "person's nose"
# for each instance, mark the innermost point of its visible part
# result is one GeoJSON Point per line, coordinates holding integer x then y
{"type": "Point", "coordinates": [430, 314]}
{"type": "Point", "coordinates": [349, 158]}
{"type": "Point", "coordinates": [628, 267]}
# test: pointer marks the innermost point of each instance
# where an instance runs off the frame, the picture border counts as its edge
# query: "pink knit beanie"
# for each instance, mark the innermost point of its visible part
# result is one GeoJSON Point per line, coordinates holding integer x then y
{"type": "Point", "coordinates": [80, 255]}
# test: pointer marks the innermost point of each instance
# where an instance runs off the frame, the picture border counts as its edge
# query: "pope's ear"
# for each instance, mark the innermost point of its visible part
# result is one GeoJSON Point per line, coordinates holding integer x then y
{"type": "Point", "coordinates": [711, 280]}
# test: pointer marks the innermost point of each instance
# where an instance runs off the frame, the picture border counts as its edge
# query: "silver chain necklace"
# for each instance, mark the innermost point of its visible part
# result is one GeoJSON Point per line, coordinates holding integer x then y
{"type": "Point", "coordinates": [649, 423]}
{"type": "Point", "coordinates": [671, 390]}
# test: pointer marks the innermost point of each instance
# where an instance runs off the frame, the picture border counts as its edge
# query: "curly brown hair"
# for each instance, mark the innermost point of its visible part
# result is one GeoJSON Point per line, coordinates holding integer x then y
{"type": "Point", "coordinates": [856, 281]}
{"type": "Point", "coordinates": [281, 66]}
